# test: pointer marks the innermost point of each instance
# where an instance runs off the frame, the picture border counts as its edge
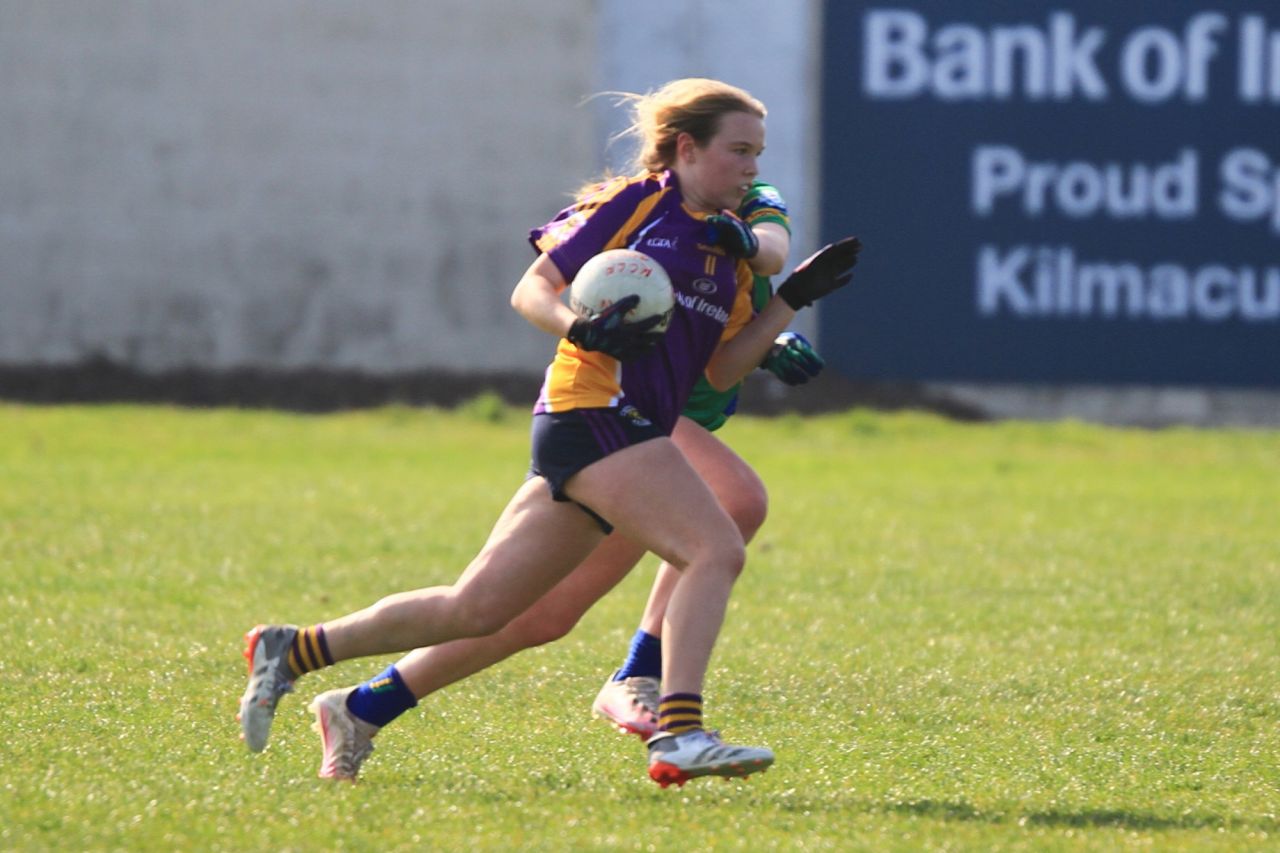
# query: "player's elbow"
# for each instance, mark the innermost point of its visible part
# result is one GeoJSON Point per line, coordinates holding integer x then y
{"type": "Point", "coordinates": [520, 297]}
{"type": "Point", "coordinates": [768, 263]}
{"type": "Point", "coordinates": [720, 379]}
{"type": "Point", "coordinates": [525, 298]}
{"type": "Point", "coordinates": [775, 243]}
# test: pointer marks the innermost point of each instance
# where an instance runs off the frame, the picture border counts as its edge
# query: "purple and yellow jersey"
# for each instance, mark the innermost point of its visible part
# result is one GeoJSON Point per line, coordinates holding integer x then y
{"type": "Point", "coordinates": [712, 290]}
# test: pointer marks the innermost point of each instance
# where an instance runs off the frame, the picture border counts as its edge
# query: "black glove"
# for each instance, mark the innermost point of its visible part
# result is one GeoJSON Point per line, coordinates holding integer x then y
{"type": "Point", "coordinates": [606, 332]}
{"type": "Point", "coordinates": [826, 270]}
{"type": "Point", "coordinates": [793, 359]}
{"type": "Point", "coordinates": [733, 235]}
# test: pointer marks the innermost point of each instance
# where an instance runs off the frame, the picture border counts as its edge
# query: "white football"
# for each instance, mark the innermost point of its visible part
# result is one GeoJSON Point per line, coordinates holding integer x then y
{"type": "Point", "coordinates": [616, 274]}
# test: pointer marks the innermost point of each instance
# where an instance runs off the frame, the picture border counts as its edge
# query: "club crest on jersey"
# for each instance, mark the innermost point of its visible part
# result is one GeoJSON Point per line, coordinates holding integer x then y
{"type": "Point", "coordinates": [632, 414]}
{"type": "Point", "coordinates": [705, 286]}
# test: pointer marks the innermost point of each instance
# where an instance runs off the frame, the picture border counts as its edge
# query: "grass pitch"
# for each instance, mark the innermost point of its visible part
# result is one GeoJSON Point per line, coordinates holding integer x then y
{"type": "Point", "coordinates": [1004, 636]}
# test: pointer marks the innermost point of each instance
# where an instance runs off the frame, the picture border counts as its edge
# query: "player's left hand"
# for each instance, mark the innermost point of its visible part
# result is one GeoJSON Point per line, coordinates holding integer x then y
{"type": "Point", "coordinates": [824, 272]}
{"type": "Point", "coordinates": [793, 359]}
{"type": "Point", "coordinates": [733, 235]}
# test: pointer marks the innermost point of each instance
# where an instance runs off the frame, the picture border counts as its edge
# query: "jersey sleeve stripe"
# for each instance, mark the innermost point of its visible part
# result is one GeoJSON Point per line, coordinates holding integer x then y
{"type": "Point", "coordinates": [642, 211]}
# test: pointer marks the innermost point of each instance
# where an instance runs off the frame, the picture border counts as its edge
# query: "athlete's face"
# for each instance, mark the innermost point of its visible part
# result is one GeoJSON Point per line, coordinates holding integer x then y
{"type": "Point", "coordinates": [716, 176]}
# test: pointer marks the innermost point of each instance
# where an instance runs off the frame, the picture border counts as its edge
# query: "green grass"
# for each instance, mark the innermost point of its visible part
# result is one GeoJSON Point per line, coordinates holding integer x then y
{"type": "Point", "coordinates": [1003, 636]}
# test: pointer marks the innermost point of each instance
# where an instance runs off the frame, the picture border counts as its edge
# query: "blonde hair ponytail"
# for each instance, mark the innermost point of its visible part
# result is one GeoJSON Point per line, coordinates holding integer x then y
{"type": "Point", "coordinates": [692, 105]}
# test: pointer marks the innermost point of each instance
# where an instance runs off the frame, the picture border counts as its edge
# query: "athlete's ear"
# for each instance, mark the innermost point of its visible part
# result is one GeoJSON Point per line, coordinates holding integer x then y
{"type": "Point", "coordinates": [686, 145]}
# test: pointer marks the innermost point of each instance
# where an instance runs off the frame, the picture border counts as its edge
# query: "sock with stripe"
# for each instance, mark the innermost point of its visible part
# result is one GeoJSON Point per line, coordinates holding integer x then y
{"type": "Point", "coordinates": [309, 651]}
{"type": "Point", "coordinates": [680, 712]}
{"type": "Point", "coordinates": [382, 698]}
{"type": "Point", "coordinates": [644, 658]}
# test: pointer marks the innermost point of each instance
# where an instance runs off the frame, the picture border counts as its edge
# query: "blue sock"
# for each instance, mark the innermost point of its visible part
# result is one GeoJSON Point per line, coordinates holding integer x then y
{"type": "Point", "coordinates": [381, 699]}
{"type": "Point", "coordinates": [644, 658]}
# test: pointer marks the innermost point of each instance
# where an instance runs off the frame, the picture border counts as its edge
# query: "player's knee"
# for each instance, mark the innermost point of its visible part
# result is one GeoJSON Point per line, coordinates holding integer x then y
{"type": "Point", "coordinates": [748, 509]}
{"type": "Point", "coordinates": [482, 623]}
{"type": "Point", "coordinates": [725, 554]}
{"type": "Point", "coordinates": [541, 626]}
{"type": "Point", "coordinates": [475, 614]}
{"type": "Point", "coordinates": [738, 558]}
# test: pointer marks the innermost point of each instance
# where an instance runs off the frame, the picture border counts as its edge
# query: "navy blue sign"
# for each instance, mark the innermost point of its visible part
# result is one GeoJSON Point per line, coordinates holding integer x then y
{"type": "Point", "coordinates": [1053, 192]}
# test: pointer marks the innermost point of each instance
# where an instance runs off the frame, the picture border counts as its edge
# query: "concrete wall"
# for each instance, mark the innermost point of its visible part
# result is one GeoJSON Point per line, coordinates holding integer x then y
{"type": "Point", "coordinates": [286, 184]}
{"type": "Point", "coordinates": [283, 183]}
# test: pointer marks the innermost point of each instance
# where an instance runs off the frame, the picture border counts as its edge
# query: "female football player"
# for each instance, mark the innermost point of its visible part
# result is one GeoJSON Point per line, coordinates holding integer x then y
{"type": "Point", "coordinates": [602, 452]}
{"type": "Point", "coordinates": [629, 699]}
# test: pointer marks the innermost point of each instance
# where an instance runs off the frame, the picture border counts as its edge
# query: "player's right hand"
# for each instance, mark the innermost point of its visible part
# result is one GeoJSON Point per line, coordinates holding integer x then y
{"type": "Point", "coordinates": [733, 235]}
{"type": "Point", "coordinates": [607, 333]}
{"type": "Point", "coordinates": [793, 359]}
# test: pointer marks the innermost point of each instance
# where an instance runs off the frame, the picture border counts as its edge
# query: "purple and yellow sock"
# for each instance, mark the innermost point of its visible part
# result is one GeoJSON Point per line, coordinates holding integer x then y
{"type": "Point", "coordinates": [644, 657]}
{"type": "Point", "coordinates": [680, 712]}
{"type": "Point", "coordinates": [382, 698]}
{"type": "Point", "coordinates": [309, 651]}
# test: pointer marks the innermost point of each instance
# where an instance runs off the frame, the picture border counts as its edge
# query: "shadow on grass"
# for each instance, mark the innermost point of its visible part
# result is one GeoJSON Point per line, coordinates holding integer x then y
{"type": "Point", "coordinates": [1121, 819]}
{"type": "Point", "coordinates": [959, 810]}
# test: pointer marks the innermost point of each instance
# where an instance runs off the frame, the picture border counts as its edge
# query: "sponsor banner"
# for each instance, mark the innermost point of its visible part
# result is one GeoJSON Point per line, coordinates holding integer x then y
{"type": "Point", "coordinates": [1052, 192]}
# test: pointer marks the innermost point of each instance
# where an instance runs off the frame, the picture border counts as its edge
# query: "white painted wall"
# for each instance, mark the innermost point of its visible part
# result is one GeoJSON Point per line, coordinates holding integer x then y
{"type": "Point", "coordinates": [283, 183]}
{"type": "Point", "coordinates": [286, 183]}
{"type": "Point", "coordinates": [771, 48]}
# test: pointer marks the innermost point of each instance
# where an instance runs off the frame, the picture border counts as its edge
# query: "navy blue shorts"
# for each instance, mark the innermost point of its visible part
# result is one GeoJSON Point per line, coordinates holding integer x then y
{"type": "Point", "coordinates": [566, 442]}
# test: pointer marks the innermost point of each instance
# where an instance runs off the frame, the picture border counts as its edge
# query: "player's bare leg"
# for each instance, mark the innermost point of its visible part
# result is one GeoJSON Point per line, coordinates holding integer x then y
{"type": "Point", "coordinates": [535, 543]}
{"type": "Point", "coordinates": [550, 618]}
{"type": "Point", "coordinates": [629, 697]}
{"type": "Point", "coordinates": [681, 521]}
